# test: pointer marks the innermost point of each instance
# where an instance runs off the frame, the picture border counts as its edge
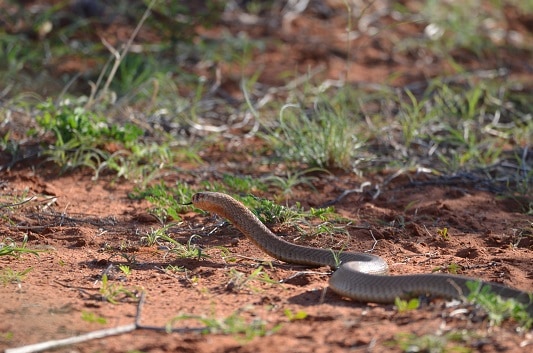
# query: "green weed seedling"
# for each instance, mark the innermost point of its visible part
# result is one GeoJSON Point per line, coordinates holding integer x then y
{"type": "Point", "coordinates": [8, 247]}
{"type": "Point", "coordinates": [115, 293]}
{"type": "Point", "coordinates": [226, 254]}
{"type": "Point", "coordinates": [87, 316]}
{"type": "Point", "coordinates": [8, 275]}
{"type": "Point", "coordinates": [14, 54]}
{"type": "Point", "coordinates": [497, 308]}
{"type": "Point", "coordinates": [414, 117]}
{"type": "Point", "coordinates": [328, 228]}
{"type": "Point", "coordinates": [325, 213]}
{"type": "Point", "coordinates": [188, 251]}
{"type": "Point", "coordinates": [450, 26]}
{"type": "Point", "coordinates": [432, 343]}
{"type": "Point", "coordinates": [125, 269]}
{"type": "Point", "coordinates": [242, 184]}
{"type": "Point", "coordinates": [152, 237]}
{"type": "Point", "coordinates": [443, 233]}
{"type": "Point", "coordinates": [235, 324]}
{"type": "Point", "coordinates": [80, 135]}
{"type": "Point", "coordinates": [168, 201]}
{"type": "Point", "coordinates": [406, 305]}
{"type": "Point", "coordinates": [270, 212]}
{"type": "Point", "coordinates": [325, 138]}
{"type": "Point", "coordinates": [173, 269]}
{"type": "Point", "coordinates": [337, 257]}
{"type": "Point", "coordinates": [294, 316]}
{"type": "Point", "coordinates": [239, 280]}
{"type": "Point", "coordinates": [291, 179]}
{"type": "Point", "coordinates": [453, 268]}
{"type": "Point", "coordinates": [6, 337]}
{"type": "Point", "coordinates": [134, 70]}
{"type": "Point", "coordinates": [130, 258]}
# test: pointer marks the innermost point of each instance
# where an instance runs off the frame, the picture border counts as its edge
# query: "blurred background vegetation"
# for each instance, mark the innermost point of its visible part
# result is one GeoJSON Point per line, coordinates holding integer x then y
{"type": "Point", "coordinates": [135, 86]}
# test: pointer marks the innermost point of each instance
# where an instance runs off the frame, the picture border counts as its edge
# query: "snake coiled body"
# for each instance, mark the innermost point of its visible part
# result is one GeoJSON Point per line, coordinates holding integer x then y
{"type": "Point", "coordinates": [360, 276]}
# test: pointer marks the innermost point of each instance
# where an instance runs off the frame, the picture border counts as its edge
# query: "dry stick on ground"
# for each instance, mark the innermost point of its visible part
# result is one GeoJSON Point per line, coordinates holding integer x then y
{"type": "Point", "coordinates": [53, 344]}
{"type": "Point", "coordinates": [17, 203]}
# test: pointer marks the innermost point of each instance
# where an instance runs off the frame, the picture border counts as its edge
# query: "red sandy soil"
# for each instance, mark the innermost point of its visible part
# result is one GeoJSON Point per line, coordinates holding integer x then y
{"type": "Point", "coordinates": [86, 227]}
{"type": "Point", "coordinates": [89, 227]}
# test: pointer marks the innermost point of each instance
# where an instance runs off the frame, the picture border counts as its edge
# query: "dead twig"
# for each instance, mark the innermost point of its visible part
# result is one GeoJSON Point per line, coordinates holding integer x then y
{"type": "Point", "coordinates": [113, 331]}
{"type": "Point", "coordinates": [39, 347]}
{"type": "Point", "coordinates": [17, 203]}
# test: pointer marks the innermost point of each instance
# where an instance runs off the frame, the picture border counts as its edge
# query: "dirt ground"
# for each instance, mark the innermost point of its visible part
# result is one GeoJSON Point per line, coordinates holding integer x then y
{"type": "Point", "coordinates": [86, 228]}
{"type": "Point", "coordinates": [85, 225]}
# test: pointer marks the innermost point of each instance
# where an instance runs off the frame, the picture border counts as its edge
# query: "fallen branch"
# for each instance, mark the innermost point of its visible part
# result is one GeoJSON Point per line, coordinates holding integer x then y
{"type": "Point", "coordinates": [39, 347]}
{"type": "Point", "coordinates": [113, 331]}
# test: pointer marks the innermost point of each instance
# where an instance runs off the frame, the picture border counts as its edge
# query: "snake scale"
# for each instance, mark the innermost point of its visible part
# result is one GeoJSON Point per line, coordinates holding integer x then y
{"type": "Point", "coordinates": [360, 276]}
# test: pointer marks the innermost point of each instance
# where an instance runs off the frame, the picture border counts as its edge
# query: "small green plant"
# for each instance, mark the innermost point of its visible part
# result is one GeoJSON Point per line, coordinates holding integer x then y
{"type": "Point", "coordinates": [6, 336]}
{"type": "Point", "coordinates": [188, 251]}
{"type": "Point", "coordinates": [8, 275]}
{"type": "Point", "coordinates": [81, 135]}
{"type": "Point", "coordinates": [450, 26]}
{"type": "Point", "coordinates": [15, 201]}
{"type": "Point", "coordinates": [85, 138]}
{"type": "Point", "coordinates": [8, 247]}
{"type": "Point", "coordinates": [450, 127]}
{"type": "Point", "coordinates": [323, 138]}
{"type": "Point", "coordinates": [325, 213]}
{"type": "Point", "coordinates": [93, 318]}
{"type": "Point", "coordinates": [327, 228]}
{"type": "Point", "coordinates": [173, 269]}
{"type": "Point", "coordinates": [235, 325]}
{"type": "Point", "coordinates": [498, 308]}
{"type": "Point", "coordinates": [168, 201]}
{"type": "Point", "coordinates": [134, 71]}
{"type": "Point", "coordinates": [239, 280]}
{"type": "Point", "coordinates": [406, 305]}
{"type": "Point", "coordinates": [270, 212]}
{"type": "Point", "coordinates": [125, 269]}
{"type": "Point", "coordinates": [115, 293]}
{"type": "Point", "coordinates": [243, 184]}
{"type": "Point", "coordinates": [337, 257]}
{"type": "Point", "coordinates": [130, 258]}
{"type": "Point", "coordinates": [160, 235]}
{"type": "Point", "coordinates": [294, 316]}
{"type": "Point", "coordinates": [443, 233]}
{"type": "Point", "coordinates": [153, 236]}
{"type": "Point", "coordinates": [226, 254]}
{"type": "Point", "coordinates": [14, 53]}
{"type": "Point", "coordinates": [431, 343]}
{"type": "Point", "coordinates": [523, 178]}
{"type": "Point", "coordinates": [288, 182]}
{"type": "Point", "coordinates": [456, 26]}
{"type": "Point", "coordinates": [454, 268]}
{"type": "Point", "coordinates": [414, 117]}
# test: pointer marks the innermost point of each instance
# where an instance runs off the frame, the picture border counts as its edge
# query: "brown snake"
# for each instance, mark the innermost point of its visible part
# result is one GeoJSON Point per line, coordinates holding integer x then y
{"type": "Point", "coordinates": [360, 276]}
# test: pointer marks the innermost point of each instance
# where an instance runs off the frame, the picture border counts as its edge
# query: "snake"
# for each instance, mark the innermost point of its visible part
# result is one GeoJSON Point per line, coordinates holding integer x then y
{"type": "Point", "coordinates": [359, 276]}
